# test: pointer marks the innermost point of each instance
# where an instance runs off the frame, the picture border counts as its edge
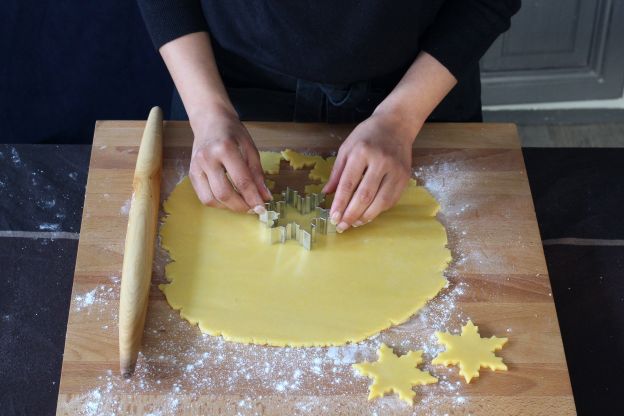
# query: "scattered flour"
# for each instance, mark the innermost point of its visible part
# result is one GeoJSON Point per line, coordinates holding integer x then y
{"type": "Point", "coordinates": [125, 208]}
{"type": "Point", "coordinates": [95, 300]}
{"type": "Point", "coordinates": [46, 202]}
{"type": "Point", "coordinates": [46, 226]}
{"type": "Point", "coordinates": [179, 365]}
{"type": "Point", "coordinates": [15, 158]}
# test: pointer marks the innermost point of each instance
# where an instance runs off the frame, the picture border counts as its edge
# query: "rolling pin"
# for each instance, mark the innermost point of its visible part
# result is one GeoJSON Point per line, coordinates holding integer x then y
{"type": "Point", "coordinates": [140, 238]}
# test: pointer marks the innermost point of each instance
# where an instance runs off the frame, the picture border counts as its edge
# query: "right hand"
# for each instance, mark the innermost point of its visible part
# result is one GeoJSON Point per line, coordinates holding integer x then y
{"type": "Point", "coordinates": [222, 145]}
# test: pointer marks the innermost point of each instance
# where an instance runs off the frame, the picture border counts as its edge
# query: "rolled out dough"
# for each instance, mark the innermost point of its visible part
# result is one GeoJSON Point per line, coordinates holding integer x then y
{"type": "Point", "coordinates": [225, 276]}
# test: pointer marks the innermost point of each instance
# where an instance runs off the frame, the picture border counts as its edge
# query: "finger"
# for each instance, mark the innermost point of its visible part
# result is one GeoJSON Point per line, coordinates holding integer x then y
{"type": "Point", "coordinates": [241, 178]}
{"type": "Point", "coordinates": [363, 197]}
{"type": "Point", "coordinates": [385, 199]}
{"type": "Point", "coordinates": [349, 180]}
{"type": "Point", "coordinates": [224, 192]}
{"type": "Point", "coordinates": [252, 157]}
{"type": "Point", "coordinates": [334, 176]}
{"type": "Point", "coordinates": [202, 189]}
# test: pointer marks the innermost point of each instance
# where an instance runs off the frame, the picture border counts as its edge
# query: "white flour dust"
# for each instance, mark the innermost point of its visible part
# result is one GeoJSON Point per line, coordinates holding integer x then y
{"type": "Point", "coordinates": [15, 158]}
{"type": "Point", "coordinates": [46, 226]}
{"type": "Point", "coordinates": [125, 208]}
{"type": "Point", "coordinates": [181, 366]}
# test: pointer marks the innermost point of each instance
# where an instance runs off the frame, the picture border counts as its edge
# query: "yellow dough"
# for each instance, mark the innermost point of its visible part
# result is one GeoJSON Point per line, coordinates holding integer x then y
{"type": "Point", "coordinates": [321, 167]}
{"type": "Point", "coordinates": [298, 160]}
{"type": "Point", "coordinates": [270, 162]}
{"type": "Point", "coordinates": [228, 279]}
{"type": "Point", "coordinates": [391, 373]}
{"type": "Point", "coordinates": [470, 351]}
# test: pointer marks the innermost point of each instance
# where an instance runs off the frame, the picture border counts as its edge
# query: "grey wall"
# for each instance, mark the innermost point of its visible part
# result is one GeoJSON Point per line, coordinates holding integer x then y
{"type": "Point", "coordinates": [558, 50]}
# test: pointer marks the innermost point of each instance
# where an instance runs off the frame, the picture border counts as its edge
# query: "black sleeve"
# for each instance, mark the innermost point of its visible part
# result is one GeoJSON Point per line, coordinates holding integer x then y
{"type": "Point", "coordinates": [167, 20]}
{"type": "Point", "coordinates": [463, 30]}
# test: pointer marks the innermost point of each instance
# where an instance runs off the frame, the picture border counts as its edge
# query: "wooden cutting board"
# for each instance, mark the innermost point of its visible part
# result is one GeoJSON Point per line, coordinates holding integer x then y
{"type": "Point", "coordinates": [498, 279]}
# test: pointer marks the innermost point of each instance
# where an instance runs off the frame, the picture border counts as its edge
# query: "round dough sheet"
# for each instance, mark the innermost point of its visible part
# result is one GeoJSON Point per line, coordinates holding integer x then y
{"type": "Point", "coordinates": [227, 278]}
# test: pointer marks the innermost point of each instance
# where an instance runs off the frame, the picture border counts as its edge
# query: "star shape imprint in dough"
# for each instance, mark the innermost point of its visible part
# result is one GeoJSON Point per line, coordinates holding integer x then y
{"type": "Point", "coordinates": [470, 351]}
{"type": "Point", "coordinates": [391, 373]}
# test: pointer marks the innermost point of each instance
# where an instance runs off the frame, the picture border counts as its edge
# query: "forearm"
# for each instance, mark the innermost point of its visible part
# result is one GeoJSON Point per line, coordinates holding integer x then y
{"type": "Point", "coordinates": [225, 165]}
{"type": "Point", "coordinates": [422, 88]}
{"type": "Point", "coordinates": [374, 163]}
{"type": "Point", "coordinates": [192, 66]}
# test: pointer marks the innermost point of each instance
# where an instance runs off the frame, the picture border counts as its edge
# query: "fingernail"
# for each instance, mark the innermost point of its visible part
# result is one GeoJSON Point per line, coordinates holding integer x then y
{"type": "Point", "coordinates": [358, 223]}
{"type": "Point", "coordinates": [342, 227]}
{"type": "Point", "coordinates": [259, 209]}
{"type": "Point", "coordinates": [335, 217]}
{"type": "Point", "coordinates": [251, 211]}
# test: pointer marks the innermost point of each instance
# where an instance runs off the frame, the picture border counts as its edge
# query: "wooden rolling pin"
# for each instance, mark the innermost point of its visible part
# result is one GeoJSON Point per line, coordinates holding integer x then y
{"type": "Point", "coordinates": [140, 237]}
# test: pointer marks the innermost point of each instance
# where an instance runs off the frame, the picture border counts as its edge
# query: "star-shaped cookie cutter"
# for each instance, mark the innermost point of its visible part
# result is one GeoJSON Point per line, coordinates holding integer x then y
{"type": "Point", "coordinates": [276, 210]}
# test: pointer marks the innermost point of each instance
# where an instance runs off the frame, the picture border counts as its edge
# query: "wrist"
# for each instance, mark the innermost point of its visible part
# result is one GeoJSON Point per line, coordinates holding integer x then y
{"type": "Point", "coordinates": [405, 127]}
{"type": "Point", "coordinates": [203, 117]}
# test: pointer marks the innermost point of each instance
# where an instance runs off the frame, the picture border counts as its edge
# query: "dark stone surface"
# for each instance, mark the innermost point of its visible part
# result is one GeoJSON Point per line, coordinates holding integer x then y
{"type": "Point", "coordinates": [579, 193]}
{"type": "Point", "coordinates": [589, 294]}
{"type": "Point", "coordinates": [42, 187]}
{"type": "Point", "coordinates": [34, 303]}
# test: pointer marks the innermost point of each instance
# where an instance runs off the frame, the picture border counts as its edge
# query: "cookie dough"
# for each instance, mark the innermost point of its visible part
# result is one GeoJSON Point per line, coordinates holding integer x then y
{"type": "Point", "coordinates": [391, 373]}
{"type": "Point", "coordinates": [228, 280]}
{"type": "Point", "coordinates": [470, 351]}
{"type": "Point", "coordinates": [270, 162]}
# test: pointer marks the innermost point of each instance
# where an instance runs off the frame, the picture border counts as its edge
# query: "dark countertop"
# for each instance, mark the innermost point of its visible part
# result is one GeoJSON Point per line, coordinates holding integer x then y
{"type": "Point", "coordinates": [41, 194]}
{"type": "Point", "coordinates": [578, 194]}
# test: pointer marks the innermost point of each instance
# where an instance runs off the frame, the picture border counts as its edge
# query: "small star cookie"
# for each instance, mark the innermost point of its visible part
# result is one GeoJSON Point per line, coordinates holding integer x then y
{"type": "Point", "coordinates": [391, 373]}
{"type": "Point", "coordinates": [470, 351]}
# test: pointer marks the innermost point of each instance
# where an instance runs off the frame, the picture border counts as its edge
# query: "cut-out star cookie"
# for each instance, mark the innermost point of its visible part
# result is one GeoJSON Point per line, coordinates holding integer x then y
{"type": "Point", "coordinates": [391, 373]}
{"type": "Point", "coordinates": [470, 351]}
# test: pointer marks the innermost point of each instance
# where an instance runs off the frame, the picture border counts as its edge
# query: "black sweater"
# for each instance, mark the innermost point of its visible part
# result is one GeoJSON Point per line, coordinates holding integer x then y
{"type": "Point", "coordinates": [337, 41]}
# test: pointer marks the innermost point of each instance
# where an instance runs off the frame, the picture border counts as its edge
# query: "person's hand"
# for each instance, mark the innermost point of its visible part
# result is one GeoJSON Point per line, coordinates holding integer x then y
{"type": "Point", "coordinates": [371, 171]}
{"type": "Point", "coordinates": [225, 165]}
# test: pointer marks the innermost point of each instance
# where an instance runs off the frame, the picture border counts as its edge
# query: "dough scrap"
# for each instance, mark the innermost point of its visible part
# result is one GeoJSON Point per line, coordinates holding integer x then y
{"type": "Point", "coordinates": [321, 167]}
{"type": "Point", "coordinates": [470, 351]}
{"type": "Point", "coordinates": [270, 162]}
{"type": "Point", "coordinates": [391, 373]}
{"type": "Point", "coordinates": [228, 280]}
{"type": "Point", "coordinates": [299, 160]}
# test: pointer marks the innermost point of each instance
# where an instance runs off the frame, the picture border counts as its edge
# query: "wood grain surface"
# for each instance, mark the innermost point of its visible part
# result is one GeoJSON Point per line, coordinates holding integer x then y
{"type": "Point", "coordinates": [477, 173]}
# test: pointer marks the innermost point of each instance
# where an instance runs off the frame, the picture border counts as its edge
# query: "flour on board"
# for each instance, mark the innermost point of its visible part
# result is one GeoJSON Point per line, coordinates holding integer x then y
{"type": "Point", "coordinates": [178, 364]}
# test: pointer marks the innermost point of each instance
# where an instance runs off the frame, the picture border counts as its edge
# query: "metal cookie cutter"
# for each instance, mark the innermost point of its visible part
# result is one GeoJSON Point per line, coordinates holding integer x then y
{"type": "Point", "coordinates": [276, 211]}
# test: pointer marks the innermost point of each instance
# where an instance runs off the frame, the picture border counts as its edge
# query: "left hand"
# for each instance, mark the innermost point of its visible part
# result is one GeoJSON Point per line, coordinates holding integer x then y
{"type": "Point", "coordinates": [371, 171]}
